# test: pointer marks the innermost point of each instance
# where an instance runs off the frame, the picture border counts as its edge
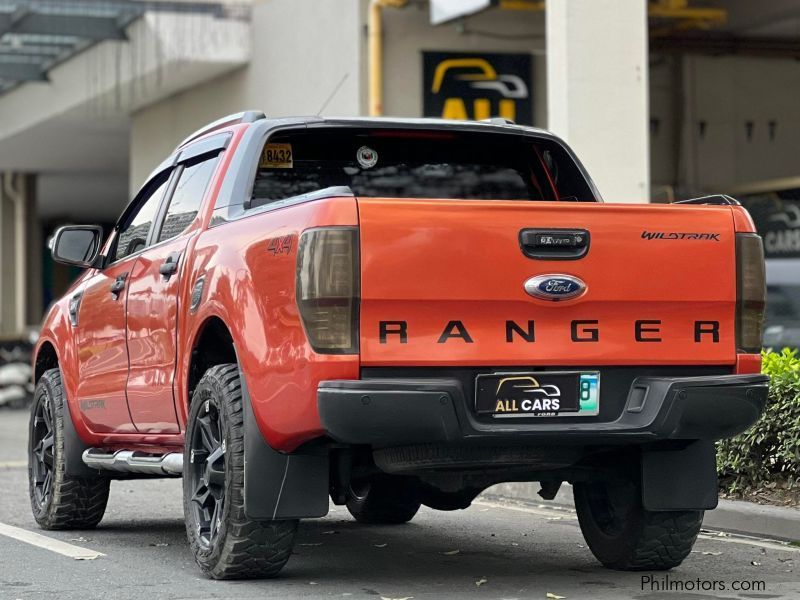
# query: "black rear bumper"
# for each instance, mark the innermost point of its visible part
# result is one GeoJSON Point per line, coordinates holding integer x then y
{"type": "Point", "coordinates": [392, 412]}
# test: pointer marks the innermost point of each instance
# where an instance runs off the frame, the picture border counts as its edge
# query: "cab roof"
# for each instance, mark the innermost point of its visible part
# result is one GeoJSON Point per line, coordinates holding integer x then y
{"type": "Point", "coordinates": [252, 116]}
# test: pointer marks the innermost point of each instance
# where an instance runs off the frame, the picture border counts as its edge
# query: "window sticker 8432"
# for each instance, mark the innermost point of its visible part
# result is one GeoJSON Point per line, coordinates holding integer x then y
{"type": "Point", "coordinates": [277, 156]}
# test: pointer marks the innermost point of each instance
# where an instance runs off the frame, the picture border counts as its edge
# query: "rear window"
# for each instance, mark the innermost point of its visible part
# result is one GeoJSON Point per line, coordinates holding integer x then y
{"type": "Point", "coordinates": [417, 164]}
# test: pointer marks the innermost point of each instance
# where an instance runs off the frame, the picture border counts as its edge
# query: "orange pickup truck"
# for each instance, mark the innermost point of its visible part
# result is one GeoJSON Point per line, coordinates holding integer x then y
{"type": "Point", "coordinates": [392, 313]}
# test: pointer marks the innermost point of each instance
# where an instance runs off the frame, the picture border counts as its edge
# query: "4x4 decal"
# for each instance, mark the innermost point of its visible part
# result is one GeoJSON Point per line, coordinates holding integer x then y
{"type": "Point", "coordinates": [280, 245]}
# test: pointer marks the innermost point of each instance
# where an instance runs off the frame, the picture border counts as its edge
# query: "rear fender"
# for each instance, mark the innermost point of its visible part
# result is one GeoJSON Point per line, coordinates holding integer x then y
{"type": "Point", "coordinates": [277, 485]}
{"type": "Point", "coordinates": [251, 287]}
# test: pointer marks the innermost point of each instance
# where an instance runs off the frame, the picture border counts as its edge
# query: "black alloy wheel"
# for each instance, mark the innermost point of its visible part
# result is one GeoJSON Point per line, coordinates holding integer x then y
{"type": "Point", "coordinates": [225, 542]}
{"type": "Point", "coordinates": [62, 497]}
{"type": "Point", "coordinates": [42, 442]}
{"type": "Point", "coordinates": [207, 474]}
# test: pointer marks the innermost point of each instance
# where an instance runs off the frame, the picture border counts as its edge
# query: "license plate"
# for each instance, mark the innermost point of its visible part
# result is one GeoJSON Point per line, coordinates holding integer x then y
{"type": "Point", "coordinates": [541, 394]}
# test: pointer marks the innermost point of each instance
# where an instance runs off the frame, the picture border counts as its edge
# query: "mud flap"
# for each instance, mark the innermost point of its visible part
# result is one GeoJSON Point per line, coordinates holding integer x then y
{"type": "Point", "coordinates": [280, 486]}
{"type": "Point", "coordinates": [680, 479]}
{"type": "Point", "coordinates": [74, 446]}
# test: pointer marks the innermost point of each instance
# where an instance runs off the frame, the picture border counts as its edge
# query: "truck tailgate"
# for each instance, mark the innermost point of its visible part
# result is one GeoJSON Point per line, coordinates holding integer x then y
{"type": "Point", "coordinates": [442, 280]}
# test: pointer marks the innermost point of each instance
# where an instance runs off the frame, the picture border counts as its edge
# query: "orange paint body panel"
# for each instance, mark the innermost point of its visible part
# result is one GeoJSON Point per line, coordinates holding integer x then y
{"type": "Point", "coordinates": [102, 355]}
{"type": "Point", "coordinates": [742, 221]}
{"type": "Point", "coordinates": [430, 262]}
{"type": "Point", "coordinates": [747, 364]}
{"type": "Point", "coordinates": [252, 291]}
{"type": "Point", "coordinates": [152, 324]}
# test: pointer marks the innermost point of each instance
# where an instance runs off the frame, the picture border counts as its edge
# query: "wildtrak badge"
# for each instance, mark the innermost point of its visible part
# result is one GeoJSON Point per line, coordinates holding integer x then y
{"type": "Point", "coordinates": [676, 235]}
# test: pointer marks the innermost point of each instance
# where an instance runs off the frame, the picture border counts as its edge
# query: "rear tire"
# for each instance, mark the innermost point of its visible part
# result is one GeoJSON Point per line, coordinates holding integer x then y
{"type": "Point", "coordinates": [58, 501]}
{"type": "Point", "coordinates": [624, 536]}
{"type": "Point", "coordinates": [382, 500]}
{"type": "Point", "coordinates": [226, 543]}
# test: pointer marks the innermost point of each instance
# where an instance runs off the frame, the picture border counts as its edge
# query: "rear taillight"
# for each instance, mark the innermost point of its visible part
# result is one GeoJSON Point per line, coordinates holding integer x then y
{"type": "Point", "coordinates": [750, 292]}
{"type": "Point", "coordinates": [328, 288]}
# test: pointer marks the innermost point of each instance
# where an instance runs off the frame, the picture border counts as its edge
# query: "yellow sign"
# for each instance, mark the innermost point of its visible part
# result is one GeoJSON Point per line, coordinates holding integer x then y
{"type": "Point", "coordinates": [468, 86]}
{"type": "Point", "coordinates": [277, 156]}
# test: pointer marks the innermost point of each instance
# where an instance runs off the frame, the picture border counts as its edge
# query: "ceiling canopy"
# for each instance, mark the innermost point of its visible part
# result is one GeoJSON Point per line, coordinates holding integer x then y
{"type": "Point", "coordinates": [35, 35]}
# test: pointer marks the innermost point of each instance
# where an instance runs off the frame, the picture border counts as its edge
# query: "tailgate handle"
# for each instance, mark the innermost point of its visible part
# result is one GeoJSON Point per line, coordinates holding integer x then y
{"type": "Point", "coordinates": [554, 244]}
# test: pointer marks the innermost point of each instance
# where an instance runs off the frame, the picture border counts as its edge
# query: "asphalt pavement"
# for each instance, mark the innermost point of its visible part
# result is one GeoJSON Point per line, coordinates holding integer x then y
{"type": "Point", "coordinates": [491, 550]}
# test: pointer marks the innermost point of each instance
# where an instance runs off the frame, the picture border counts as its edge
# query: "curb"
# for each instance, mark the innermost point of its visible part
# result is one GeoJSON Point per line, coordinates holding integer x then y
{"type": "Point", "coordinates": [734, 516]}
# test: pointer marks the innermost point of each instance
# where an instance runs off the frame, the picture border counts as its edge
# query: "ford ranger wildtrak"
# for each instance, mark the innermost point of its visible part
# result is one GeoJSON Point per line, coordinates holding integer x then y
{"type": "Point", "coordinates": [392, 313]}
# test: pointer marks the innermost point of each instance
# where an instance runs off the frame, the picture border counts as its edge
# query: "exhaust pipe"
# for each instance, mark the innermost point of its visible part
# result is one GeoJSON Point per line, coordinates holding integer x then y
{"type": "Point", "coordinates": [129, 461]}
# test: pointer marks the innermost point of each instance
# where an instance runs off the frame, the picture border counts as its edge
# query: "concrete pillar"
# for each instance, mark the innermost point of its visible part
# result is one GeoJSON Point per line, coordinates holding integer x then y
{"type": "Point", "coordinates": [597, 90]}
{"type": "Point", "coordinates": [20, 254]}
{"type": "Point", "coordinates": [7, 264]}
{"type": "Point", "coordinates": [34, 309]}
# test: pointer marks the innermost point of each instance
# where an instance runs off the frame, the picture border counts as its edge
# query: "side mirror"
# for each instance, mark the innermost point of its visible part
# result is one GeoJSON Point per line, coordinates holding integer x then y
{"type": "Point", "coordinates": [77, 245]}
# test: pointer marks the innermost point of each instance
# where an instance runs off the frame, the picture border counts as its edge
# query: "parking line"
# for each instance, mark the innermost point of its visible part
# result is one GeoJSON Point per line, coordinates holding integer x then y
{"type": "Point", "coordinates": [555, 512]}
{"type": "Point", "coordinates": [13, 464]}
{"type": "Point", "coordinates": [552, 513]}
{"type": "Point", "coordinates": [42, 541]}
{"type": "Point", "coordinates": [732, 538]}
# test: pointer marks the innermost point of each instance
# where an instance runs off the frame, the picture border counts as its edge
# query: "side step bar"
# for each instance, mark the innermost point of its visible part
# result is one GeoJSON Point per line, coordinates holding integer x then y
{"type": "Point", "coordinates": [129, 461]}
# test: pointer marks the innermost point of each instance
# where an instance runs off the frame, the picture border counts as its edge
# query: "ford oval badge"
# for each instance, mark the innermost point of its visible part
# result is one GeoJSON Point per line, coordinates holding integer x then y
{"type": "Point", "coordinates": [555, 287]}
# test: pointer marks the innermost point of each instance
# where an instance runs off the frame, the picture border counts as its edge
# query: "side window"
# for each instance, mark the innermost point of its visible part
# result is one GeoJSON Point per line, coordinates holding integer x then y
{"type": "Point", "coordinates": [188, 195]}
{"type": "Point", "coordinates": [133, 233]}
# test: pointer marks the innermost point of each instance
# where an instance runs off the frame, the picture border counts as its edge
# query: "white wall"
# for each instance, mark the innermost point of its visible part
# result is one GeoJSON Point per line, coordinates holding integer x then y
{"type": "Point", "coordinates": [598, 90]}
{"type": "Point", "coordinates": [407, 33]}
{"type": "Point", "coordinates": [301, 50]}
{"type": "Point", "coordinates": [73, 130]}
{"type": "Point", "coordinates": [725, 93]}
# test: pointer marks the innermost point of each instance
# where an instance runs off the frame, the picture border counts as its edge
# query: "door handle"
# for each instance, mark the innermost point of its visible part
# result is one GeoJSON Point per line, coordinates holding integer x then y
{"type": "Point", "coordinates": [118, 285]}
{"type": "Point", "coordinates": [74, 305]}
{"type": "Point", "coordinates": [170, 265]}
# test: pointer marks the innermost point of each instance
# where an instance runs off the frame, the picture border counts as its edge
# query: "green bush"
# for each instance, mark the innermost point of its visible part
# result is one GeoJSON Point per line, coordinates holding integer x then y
{"type": "Point", "coordinates": [769, 451]}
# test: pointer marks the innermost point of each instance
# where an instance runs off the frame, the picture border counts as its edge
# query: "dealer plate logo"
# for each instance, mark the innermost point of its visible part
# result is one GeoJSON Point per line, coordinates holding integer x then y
{"type": "Point", "coordinates": [555, 287]}
{"type": "Point", "coordinates": [535, 397]}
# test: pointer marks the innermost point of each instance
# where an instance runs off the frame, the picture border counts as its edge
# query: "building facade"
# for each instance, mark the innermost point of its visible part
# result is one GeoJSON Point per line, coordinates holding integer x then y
{"type": "Point", "coordinates": [659, 99]}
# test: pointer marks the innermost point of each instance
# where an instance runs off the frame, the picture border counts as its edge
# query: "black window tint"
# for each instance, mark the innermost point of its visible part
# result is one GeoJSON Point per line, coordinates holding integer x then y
{"type": "Point", "coordinates": [417, 164]}
{"type": "Point", "coordinates": [188, 195]}
{"type": "Point", "coordinates": [468, 181]}
{"type": "Point", "coordinates": [566, 176]}
{"type": "Point", "coordinates": [133, 233]}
